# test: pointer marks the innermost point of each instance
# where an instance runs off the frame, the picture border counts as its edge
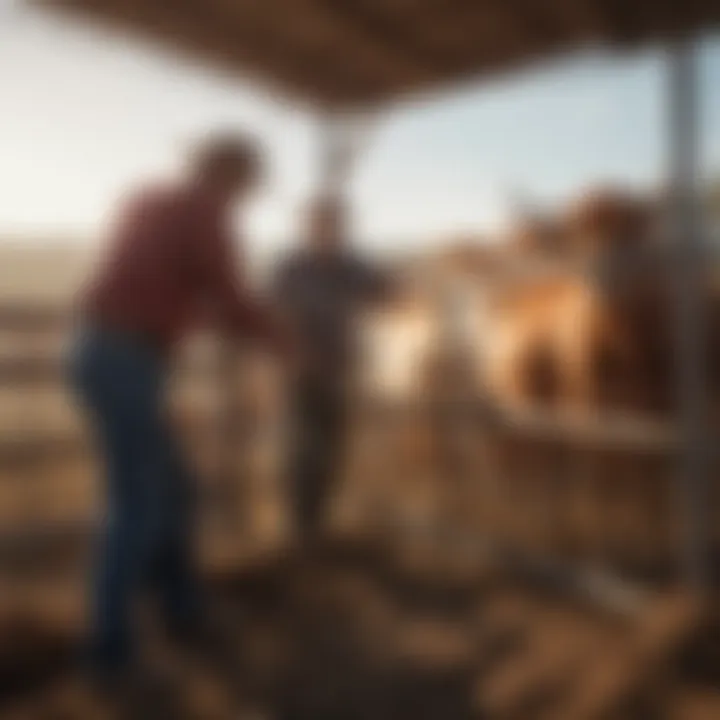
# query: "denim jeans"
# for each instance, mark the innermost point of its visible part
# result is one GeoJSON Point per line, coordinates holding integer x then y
{"type": "Point", "coordinates": [146, 540]}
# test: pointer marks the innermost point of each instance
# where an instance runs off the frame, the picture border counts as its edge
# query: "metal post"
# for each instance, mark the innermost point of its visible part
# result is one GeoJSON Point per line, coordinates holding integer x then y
{"type": "Point", "coordinates": [335, 156]}
{"type": "Point", "coordinates": [685, 228]}
{"type": "Point", "coordinates": [342, 140]}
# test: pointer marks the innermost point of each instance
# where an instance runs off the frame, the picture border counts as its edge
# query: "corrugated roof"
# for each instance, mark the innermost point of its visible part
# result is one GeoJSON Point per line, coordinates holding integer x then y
{"type": "Point", "coordinates": [360, 52]}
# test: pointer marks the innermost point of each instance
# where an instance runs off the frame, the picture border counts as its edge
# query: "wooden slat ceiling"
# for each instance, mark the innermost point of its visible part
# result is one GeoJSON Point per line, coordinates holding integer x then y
{"type": "Point", "coordinates": [362, 52]}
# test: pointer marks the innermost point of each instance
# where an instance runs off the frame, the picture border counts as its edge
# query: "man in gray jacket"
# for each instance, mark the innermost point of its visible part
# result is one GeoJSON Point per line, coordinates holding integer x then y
{"type": "Point", "coordinates": [322, 286]}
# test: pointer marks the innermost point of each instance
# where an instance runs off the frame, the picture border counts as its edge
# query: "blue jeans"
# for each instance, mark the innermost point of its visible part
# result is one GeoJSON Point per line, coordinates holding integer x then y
{"type": "Point", "coordinates": [147, 533]}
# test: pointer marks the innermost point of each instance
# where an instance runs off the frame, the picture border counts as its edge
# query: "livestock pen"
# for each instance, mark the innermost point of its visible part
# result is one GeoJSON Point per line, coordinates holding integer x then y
{"type": "Point", "coordinates": [497, 595]}
{"type": "Point", "coordinates": [520, 593]}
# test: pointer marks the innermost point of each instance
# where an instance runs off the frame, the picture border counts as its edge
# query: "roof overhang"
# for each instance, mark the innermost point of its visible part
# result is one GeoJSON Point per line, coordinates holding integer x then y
{"type": "Point", "coordinates": [365, 52]}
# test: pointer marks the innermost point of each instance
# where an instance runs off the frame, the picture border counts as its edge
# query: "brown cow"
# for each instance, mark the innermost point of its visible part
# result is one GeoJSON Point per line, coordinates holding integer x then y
{"type": "Point", "coordinates": [590, 341]}
{"type": "Point", "coordinates": [603, 341]}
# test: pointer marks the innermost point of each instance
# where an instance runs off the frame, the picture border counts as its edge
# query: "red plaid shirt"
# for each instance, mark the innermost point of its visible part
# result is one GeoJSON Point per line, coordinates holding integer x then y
{"type": "Point", "coordinates": [170, 266]}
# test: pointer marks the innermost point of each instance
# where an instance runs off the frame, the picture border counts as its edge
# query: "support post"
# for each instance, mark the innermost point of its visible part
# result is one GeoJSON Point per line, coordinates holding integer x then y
{"type": "Point", "coordinates": [686, 234]}
{"type": "Point", "coordinates": [341, 143]}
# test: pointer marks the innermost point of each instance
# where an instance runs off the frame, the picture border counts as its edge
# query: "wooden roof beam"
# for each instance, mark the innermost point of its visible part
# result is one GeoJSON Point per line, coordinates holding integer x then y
{"type": "Point", "coordinates": [196, 27]}
{"type": "Point", "coordinates": [508, 29]}
{"type": "Point", "coordinates": [402, 37]}
{"type": "Point", "coordinates": [358, 51]}
{"type": "Point", "coordinates": [622, 22]}
{"type": "Point", "coordinates": [324, 26]}
{"type": "Point", "coordinates": [519, 28]}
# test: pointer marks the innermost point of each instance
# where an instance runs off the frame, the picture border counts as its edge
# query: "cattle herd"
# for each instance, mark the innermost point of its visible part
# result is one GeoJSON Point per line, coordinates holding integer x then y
{"type": "Point", "coordinates": [573, 316]}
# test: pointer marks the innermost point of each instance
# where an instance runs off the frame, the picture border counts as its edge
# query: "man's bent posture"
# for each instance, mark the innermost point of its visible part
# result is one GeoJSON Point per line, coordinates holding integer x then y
{"type": "Point", "coordinates": [170, 266]}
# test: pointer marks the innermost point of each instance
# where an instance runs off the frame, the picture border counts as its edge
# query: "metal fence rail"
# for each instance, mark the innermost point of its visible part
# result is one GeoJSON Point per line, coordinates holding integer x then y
{"type": "Point", "coordinates": [533, 465]}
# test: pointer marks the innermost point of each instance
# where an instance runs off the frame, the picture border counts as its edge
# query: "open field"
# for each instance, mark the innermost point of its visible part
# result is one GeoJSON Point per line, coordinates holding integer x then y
{"type": "Point", "coordinates": [40, 271]}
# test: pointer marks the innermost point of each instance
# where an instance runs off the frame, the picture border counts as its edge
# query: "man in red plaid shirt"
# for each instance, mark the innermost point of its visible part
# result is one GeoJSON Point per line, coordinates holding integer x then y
{"type": "Point", "coordinates": [170, 266]}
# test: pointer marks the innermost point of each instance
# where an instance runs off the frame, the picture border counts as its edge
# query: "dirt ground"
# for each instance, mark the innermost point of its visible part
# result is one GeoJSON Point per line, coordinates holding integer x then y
{"type": "Point", "coordinates": [352, 636]}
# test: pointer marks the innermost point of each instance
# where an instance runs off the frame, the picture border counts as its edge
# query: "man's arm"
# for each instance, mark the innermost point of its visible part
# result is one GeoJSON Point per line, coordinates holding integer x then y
{"type": "Point", "coordinates": [377, 284]}
{"type": "Point", "coordinates": [230, 300]}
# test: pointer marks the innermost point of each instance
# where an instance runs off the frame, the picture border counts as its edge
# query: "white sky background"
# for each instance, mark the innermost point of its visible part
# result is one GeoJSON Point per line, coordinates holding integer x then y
{"type": "Point", "coordinates": [84, 114]}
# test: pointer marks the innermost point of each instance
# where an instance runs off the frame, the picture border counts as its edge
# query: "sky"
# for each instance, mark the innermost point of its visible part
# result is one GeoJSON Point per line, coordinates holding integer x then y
{"type": "Point", "coordinates": [85, 113]}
